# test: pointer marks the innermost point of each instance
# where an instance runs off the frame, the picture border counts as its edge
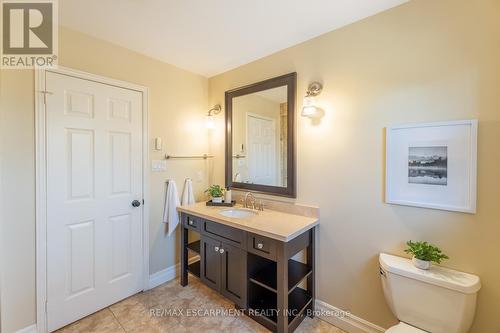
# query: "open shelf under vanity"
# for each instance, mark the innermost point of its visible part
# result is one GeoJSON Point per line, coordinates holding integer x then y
{"type": "Point", "coordinates": [267, 275]}
{"type": "Point", "coordinates": [262, 290]}
{"type": "Point", "coordinates": [195, 266]}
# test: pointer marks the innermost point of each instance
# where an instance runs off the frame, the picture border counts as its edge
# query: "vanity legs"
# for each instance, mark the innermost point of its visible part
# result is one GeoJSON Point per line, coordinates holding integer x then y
{"type": "Point", "coordinates": [293, 303]}
{"type": "Point", "coordinates": [184, 256]}
{"type": "Point", "coordinates": [311, 286]}
{"type": "Point", "coordinates": [282, 288]}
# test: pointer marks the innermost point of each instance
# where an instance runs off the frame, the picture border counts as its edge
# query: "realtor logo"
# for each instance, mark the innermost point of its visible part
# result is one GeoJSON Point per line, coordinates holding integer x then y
{"type": "Point", "coordinates": [29, 34]}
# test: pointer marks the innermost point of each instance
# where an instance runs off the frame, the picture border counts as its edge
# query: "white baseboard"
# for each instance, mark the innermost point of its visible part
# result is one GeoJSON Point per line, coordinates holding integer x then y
{"type": "Point", "coordinates": [345, 321]}
{"type": "Point", "coordinates": [29, 329]}
{"type": "Point", "coordinates": [167, 274]}
{"type": "Point", "coordinates": [162, 276]}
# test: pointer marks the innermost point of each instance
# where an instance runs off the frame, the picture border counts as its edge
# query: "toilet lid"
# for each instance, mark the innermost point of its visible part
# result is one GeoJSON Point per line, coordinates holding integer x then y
{"type": "Point", "coordinates": [404, 328]}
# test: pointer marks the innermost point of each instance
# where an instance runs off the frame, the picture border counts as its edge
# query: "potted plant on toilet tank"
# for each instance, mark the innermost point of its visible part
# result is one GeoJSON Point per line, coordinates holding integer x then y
{"type": "Point", "coordinates": [424, 254]}
{"type": "Point", "coordinates": [216, 192]}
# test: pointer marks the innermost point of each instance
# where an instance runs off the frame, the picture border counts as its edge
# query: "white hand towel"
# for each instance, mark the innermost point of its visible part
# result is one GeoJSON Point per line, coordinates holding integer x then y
{"type": "Point", "coordinates": [170, 214]}
{"type": "Point", "coordinates": [187, 193]}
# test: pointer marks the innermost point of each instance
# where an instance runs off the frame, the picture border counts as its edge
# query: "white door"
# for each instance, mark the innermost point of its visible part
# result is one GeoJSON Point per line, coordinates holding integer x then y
{"type": "Point", "coordinates": [261, 143]}
{"type": "Point", "coordinates": [94, 172]}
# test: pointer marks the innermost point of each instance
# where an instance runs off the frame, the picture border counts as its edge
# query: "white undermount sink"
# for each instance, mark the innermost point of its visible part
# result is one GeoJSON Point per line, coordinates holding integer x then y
{"type": "Point", "coordinates": [237, 213]}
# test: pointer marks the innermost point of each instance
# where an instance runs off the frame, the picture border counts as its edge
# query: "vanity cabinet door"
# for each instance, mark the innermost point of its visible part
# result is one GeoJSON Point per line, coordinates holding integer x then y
{"type": "Point", "coordinates": [210, 262]}
{"type": "Point", "coordinates": [234, 273]}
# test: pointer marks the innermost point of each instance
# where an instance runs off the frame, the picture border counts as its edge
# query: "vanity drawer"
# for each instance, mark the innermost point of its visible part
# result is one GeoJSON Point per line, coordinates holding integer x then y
{"type": "Point", "coordinates": [224, 233]}
{"type": "Point", "coordinates": [192, 222]}
{"type": "Point", "coordinates": [262, 246]}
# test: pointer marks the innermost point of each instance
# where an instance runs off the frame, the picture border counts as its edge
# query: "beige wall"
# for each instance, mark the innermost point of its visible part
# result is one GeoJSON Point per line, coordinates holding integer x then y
{"type": "Point", "coordinates": [423, 61]}
{"type": "Point", "coordinates": [178, 103]}
{"type": "Point", "coordinates": [17, 197]}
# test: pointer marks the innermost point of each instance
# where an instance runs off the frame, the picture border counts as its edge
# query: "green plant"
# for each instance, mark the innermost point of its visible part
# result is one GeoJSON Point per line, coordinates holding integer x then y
{"type": "Point", "coordinates": [215, 191]}
{"type": "Point", "coordinates": [425, 251]}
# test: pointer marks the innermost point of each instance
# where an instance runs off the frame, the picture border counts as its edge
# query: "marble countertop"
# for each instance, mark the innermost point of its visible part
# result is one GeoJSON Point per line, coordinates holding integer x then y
{"type": "Point", "coordinates": [273, 224]}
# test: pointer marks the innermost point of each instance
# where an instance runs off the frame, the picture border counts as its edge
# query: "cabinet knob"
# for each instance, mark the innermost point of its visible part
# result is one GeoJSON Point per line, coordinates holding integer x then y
{"type": "Point", "coordinates": [216, 249]}
{"type": "Point", "coordinates": [221, 251]}
{"type": "Point", "coordinates": [190, 222]}
{"type": "Point", "coordinates": [260, 246]}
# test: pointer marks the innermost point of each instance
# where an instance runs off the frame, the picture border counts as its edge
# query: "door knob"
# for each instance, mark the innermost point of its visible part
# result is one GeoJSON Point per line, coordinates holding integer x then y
{"type": "Point", "coordinates": [136, 203]}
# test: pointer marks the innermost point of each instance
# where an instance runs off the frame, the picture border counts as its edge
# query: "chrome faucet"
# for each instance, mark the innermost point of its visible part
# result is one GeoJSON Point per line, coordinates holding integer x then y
{"type": "Point", "coordinates": [245, 201]}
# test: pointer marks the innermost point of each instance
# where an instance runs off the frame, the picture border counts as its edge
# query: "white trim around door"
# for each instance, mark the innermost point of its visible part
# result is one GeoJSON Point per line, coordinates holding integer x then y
{"type": "Point", "coordinates": [41, 178]}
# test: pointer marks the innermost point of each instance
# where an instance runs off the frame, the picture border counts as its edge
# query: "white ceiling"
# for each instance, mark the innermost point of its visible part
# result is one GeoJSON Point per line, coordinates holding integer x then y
{"type": "Point", "coordinates": [212, 36]}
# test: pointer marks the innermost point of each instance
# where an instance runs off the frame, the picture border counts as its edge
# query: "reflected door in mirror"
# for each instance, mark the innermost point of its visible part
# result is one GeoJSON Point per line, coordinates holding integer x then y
{"type": "Point", "coordinates": [260, 137]}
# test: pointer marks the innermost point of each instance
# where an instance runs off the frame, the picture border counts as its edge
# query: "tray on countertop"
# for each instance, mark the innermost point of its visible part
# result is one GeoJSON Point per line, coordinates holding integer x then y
{"type": "Point", "coordinates": [222, 204]}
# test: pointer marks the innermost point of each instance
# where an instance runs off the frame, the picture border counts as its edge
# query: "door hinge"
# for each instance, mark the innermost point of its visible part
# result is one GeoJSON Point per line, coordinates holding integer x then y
{"type": "Point", "coordinates": [46, 306]}
{"type": "Point", "coordinates": [45, 93]}
{"type": "Point", "coordinates": [143, 201]}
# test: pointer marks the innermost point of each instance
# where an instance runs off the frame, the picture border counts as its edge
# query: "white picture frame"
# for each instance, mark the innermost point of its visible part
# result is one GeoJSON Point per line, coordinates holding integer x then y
{"type": "Point", "coordinates": [432, 165]}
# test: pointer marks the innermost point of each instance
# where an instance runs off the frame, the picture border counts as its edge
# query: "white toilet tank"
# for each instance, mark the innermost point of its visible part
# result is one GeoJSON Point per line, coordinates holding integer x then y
{"type": "Point", "coordinates": [439, 300]}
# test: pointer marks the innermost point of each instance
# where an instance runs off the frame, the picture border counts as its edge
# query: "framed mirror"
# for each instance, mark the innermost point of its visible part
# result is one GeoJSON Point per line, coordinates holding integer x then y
{"type": "Point", "coordinates": [260, 136]}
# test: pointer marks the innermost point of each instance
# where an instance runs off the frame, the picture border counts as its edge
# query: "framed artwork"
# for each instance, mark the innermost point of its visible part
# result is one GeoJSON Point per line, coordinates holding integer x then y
{"type": "Point", "coordinates": [432, 165]}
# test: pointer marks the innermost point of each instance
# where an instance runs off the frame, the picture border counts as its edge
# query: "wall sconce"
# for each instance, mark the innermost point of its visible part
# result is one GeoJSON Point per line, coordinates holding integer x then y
{"type": "Point", "coordinates": [209, 121]}
{"type": "Point", "coordinates": [309, 108]}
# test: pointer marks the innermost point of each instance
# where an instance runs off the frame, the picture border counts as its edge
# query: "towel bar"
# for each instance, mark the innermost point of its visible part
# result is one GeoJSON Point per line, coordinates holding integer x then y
{"type": "Point", "coordinates": [204, 156]}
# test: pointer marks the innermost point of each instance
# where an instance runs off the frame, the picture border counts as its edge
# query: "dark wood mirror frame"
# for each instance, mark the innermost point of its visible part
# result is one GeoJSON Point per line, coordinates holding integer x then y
{"type": "Point", "coordinates": [290, 81]}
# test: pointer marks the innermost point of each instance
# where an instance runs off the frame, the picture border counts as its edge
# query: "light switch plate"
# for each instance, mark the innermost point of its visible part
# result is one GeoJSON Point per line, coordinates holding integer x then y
{"type": "Point", "coordinates": [158, 144]}
{"type": "Point", "coordinates": [159, 165]}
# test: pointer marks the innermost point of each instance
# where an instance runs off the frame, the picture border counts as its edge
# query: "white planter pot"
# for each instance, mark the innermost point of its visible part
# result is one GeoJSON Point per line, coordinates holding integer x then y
{"type": "Point", "coordinates": [217, 200]}
{"type": "Point", "coordinates": [422, 264]}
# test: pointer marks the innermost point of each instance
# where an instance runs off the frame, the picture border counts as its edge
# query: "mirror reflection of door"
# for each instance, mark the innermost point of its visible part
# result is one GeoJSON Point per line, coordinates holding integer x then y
{"type": "Point", "coordinates": [262, 147]}
{"type": "Point", "coordinates": [260, 137]}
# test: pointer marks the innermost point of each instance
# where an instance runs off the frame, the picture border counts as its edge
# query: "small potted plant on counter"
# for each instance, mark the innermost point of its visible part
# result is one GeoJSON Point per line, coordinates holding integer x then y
{"type": "Point", "coordinates": [216, 192]}
{"type": "Point", "coordinates": [424, 254]}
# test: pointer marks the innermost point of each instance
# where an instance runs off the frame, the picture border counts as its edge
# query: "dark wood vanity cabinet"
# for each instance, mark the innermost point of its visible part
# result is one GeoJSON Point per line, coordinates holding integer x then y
{"type": "Point", "coordinates": [210, 258]}
{"type": "Point", "coordinates": [257, 273]}
{"type": "Point", "coordinates": [223, 268]}
{"type": "Point", "coordinates": [234, 274]}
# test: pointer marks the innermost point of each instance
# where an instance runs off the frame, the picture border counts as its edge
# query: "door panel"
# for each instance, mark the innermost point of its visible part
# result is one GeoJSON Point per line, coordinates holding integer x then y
{"type": "Point", "coordinates": [80, 258]}
{"type": "Point", "coordinates": [120, 162]}
{"type": "Point", "coordinates": [234, 267]}
{"type": "Point", "coordinates": [210, 262]}
{"type": "Point", "coordinates": [121, 226]}
{"type": "Point", "coordinates": [78, 104]}
{"type": "Point", "coordinates": [80, 163]}
{"type": "Point", "coordinates": [94, 172]}
{"type": "Point", "coordinates": [262, 157]}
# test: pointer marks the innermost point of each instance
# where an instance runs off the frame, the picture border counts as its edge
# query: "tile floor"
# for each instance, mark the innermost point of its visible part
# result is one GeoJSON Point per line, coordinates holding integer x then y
{"type": "Point", "coordinates": [134, 314]}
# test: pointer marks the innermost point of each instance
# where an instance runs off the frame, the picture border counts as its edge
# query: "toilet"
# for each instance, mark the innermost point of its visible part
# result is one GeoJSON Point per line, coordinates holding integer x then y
{"type": "Point", "coordinates": [439, 300]}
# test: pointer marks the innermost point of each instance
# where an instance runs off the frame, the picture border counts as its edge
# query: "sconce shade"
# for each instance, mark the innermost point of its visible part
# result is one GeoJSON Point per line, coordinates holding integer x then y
{"type": "Point", "coordinates": [309, 107]}
{"type": "Point", "coordinates": [209, 122]}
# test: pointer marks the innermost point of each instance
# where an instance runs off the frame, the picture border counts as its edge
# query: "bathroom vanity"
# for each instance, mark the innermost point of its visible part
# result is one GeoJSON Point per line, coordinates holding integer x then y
{"type": "Point", "coordinates": [247, 257]}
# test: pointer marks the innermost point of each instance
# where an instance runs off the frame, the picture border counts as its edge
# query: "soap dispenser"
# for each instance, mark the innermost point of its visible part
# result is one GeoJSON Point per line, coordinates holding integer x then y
{"type": "Point", "coordinates": [227, 196]}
